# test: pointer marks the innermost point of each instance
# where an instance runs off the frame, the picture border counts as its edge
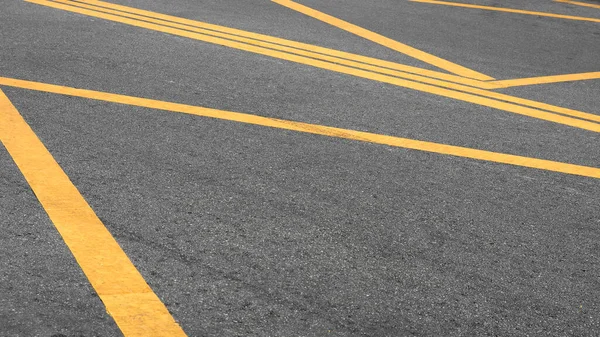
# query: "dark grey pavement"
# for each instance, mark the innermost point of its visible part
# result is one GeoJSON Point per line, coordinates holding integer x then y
{"type": "Point", "coordinates": [250, 231]}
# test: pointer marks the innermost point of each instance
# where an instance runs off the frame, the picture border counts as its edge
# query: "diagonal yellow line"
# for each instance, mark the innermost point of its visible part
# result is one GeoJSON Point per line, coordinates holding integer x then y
{"type": "Point", "coordinates": [329, 131]}
{"type": "Point", "coordinates": [464, 93]}
{"type": "Point", "coordinates": [274, 41]}
{"type": "Point", "coordinates": [547, 79]}
{"type": "Point", "coordinates": [339, 57]}
{"type": "Point", "coordinates": [385, 41]}
{"type": "Point", "coordinates": [579, 3]}
{"type": "Point", "coordinates": [128, 298]}
{"type": "Point", "coordinates": [508, 10]}
{"type": "Point", "coordinates": [354, 61]}
{"type": "Point", "coordinates": [331, 55]}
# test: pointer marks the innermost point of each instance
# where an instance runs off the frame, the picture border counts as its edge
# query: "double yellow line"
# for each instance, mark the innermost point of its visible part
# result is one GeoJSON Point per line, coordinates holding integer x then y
{"type": "Point", "coordinates": [446, 85]}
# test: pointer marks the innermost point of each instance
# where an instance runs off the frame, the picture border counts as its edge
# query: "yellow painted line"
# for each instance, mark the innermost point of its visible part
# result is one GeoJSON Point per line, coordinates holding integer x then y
{"type": "Point", "coordinates": [544, 106]}
{"type": "Point", "coordinates": [464, 93]}
{"type": "Point", "coordinates": [547, 79]}
{"type": "Point", "coordinates": [342, 57]}
{"type": "Point", "coordinates": [578, 3]}
{"type": "Point", "coordinates": [385, 41]}
{"type": "Point", "coordinates": [127, 297]}
{"type": "Point", "coordinates": [413, 144]}
{"type": "Point", "coordinates": [279, 47]}
{"type": "Point", "coordinates": [508, 10]}
{"type": "Point", "coordinates": [294, 44]}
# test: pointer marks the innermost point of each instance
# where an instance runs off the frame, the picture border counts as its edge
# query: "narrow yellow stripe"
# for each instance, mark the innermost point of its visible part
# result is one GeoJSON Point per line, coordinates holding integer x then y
{"type": "Point", "coordinates": [367, 60]}
{"type": "Point", "coordinates": [508, 10]}
{"type": "Point", "coordinates": [547, 79]}
{"type": "Point", "coordinates": [501, 105]}
{"type": "Point", "coordinates": [578, 3]}
{"type": "Point", "coordinates": [128, 299]}
{"type": "Point", "coordinates": [286, 49]}
{"type": "Point", "coordinates": [312, 128]}
{"type": "Point", "coordinates": [298, 45]}
{"type": "Point", "coordinates": [544, 106]}
{"type": "Point", "coordinates": [385, 41]}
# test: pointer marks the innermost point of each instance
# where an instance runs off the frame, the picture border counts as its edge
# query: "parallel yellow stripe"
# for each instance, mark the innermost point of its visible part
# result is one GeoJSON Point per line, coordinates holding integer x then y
{"type": "Point", "coordinates": [128, 299]}
{"type": "Point", "coordinates": [293, 44]}
{"type": "Point", "coordinates": [458, 151]}
{"type": "Point", "coordinates": [385, 41]}
{"type": "Point", "coordinates": [579, 3]}
{"type": "Point", "coordinates": [508, 10]}
{"type": "Point", "coordinates": [587, 125]}
{"type": "Point", "coordinates": [275, 46]}
{"type": "Point", "coordinates": [340, 57]}
{"type": "Point", "coordinates": [538, 105]}
{"type": "Point", "coordinates": [547, 79]}
{"type": "Point", "coordinates": [383, 65]}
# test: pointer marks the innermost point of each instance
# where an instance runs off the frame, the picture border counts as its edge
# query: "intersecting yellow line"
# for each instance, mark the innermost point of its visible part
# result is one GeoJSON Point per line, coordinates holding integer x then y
{"type": "Point", "coordinates": [128, 299]}
{"type": "Point", "coordinates": [385, 41]}
{"type": "Point", "coordinates": [331, 55]}
{"type": "Point", "coordinates": [508, 10]}
{"type": "Point", "coordinates": [464, 93]}
{"type": "Point", "coordinates": [484, 81]}
{"type": "Point", "coordinates": [274, 43]}
{"type": "Point", "coordinates": [329, 131]}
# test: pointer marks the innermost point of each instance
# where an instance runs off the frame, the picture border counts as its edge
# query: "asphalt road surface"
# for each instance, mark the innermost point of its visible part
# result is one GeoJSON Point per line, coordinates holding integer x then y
{"type": "Point", "coordinates": [435, 171]}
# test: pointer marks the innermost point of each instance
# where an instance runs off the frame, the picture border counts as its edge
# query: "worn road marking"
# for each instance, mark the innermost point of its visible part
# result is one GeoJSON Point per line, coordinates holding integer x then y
{"type": "Point", "coordinates": [508, 10]}
{"type": "Point", "coordinates": [413, 144]}
{"type": "Point", "coordinates": [490, 99]}
{"type": "Point", "coordinates": [385, 41]}
{"type": "Point", "coordinates": [128, 298]}
{"type": "Point", "coordinates": [579, 3]}
{"type": "Point", "coordinates": [547, 79]}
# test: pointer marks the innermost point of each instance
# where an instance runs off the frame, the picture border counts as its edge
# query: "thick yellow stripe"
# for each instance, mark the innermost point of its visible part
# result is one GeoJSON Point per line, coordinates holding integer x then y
{"type": "Point", "coordinates": [578, 3]}
{"type": "Point", "coordinates": [297, 45]}
{"type": "Point", "coordinates": [128, 299]}
{"type": "Point", "coordinates": [501, 105]}
{"type": "Point", "coordinates": [547, 79]}
{"type": "Point", "coordinates": [508, 10]}
{"type": "Point", "coordinates": [385, 41]}
{"type": "Point", "coordinates": [312, 128]}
